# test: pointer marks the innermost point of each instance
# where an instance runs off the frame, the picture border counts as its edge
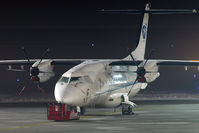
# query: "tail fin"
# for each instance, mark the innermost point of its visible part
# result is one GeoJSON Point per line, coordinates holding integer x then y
{"type": "Point", "coordinates": [139, 52]}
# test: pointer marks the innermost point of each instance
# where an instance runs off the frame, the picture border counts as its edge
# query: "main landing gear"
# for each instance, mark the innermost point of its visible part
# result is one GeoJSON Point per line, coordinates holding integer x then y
{"type": "Point", "coordinates": [127, 109]}
{"type": "Point", "coordinates": [127, 105]}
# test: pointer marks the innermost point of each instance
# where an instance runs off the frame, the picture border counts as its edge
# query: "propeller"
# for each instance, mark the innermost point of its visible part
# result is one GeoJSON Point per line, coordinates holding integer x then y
{"type": "Point", "coordinates": [141, 71]}
{"type": "Point", "coordinates": [33, 71]}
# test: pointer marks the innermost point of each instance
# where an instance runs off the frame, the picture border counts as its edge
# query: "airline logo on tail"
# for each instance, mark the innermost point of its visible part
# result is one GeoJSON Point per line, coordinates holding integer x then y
{"type": "Point", "coordinates": [144, 27]}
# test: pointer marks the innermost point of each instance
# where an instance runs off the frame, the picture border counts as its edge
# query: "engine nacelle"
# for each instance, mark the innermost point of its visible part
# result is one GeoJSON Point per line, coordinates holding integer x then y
{"type": "Point", "coordinates": [42, 72]}
{"type": "Point", "coordinates": [150, 77]}
{"type": "Point", "coordinates": [152, 71]}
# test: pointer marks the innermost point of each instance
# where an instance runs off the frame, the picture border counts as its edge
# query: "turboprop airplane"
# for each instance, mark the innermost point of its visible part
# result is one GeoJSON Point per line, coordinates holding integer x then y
{"type": "Point", "coordinates": [104, 82]}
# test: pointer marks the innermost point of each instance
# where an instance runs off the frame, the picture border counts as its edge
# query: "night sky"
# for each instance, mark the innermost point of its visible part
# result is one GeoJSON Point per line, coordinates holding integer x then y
{"type": "Point", "coordinates": [73, 29]}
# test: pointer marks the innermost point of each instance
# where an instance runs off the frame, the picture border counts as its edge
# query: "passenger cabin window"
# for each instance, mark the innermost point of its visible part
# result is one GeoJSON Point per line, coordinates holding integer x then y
{"type": "Point", "coordinates": [64, 79]}
{"type": "Point", "coordinates": [73, 79]}
{"type": "Point", "coordinates": [117, 78]}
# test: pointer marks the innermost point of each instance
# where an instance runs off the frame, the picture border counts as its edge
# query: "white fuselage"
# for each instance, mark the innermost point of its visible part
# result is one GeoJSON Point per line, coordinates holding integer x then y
{"type": "Point", "coordinates": [96, 83]}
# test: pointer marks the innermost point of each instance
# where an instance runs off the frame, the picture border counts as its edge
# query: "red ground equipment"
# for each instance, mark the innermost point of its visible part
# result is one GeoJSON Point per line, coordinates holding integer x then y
{"type": "Point", "coordinates": [61, 112]}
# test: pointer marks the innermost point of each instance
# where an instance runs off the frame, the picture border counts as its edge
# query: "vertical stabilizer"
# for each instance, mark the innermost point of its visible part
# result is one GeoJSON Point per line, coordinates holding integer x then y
{"type": "Point", "coordinates": [139, 52]}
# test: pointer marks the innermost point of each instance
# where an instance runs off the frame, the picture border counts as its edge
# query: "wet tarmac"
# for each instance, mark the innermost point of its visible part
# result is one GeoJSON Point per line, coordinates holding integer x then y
{"type": "Point", "coordinates": [150, 117]}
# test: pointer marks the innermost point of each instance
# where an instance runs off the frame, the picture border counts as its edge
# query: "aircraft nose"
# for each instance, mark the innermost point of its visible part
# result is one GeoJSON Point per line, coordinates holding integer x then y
{"type": "Point", "coordinates": [59, 92]}
{"type": "Point", "coordinates": [68, 94]}
{"type": "Point", "coordinates": [73, 96]}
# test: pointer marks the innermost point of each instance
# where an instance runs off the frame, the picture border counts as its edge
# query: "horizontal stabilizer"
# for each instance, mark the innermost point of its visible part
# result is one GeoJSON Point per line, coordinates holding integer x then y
{"type": "Point", "coordinates": [151, 11]}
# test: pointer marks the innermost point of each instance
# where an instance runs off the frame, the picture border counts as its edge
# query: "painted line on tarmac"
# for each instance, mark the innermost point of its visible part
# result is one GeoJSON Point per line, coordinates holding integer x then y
{"type": "Point", "coordinates": [47, 123]}
{"type": "Point", "coordinates": [25, 126]}
{"type": "Point", "coordinates": [98, 114]}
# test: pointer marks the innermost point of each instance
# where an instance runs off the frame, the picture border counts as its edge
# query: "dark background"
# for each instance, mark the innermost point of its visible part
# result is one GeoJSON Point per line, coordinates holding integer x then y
{"type": "Point", "coordinates": [71, 28]}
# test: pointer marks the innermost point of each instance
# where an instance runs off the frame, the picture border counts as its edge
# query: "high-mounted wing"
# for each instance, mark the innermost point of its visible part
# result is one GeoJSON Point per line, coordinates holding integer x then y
{"type": "Point", "coordinates": [17, 62]}
{"type": "Point", "coordinates": [178, 62]}
{"type": "Point", "coordinates": [32, 61]}
{"type": "Point", "coordinates": [158, 62]}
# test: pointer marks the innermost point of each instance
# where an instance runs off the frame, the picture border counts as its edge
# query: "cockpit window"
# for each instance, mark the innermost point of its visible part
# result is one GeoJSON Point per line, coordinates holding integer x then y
{"type": "Point", "coordinates": [73, 79]}
{"type": "Point", "coordinates": [64, 79]}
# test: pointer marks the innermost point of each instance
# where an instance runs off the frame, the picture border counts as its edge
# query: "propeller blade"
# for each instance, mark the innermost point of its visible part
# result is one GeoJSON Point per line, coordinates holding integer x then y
{"type": "Point", "coordinates": [132, 87]}
{"type": "Point", "coordinates": [26, 54]}
{"type": "Point", "coordinates": [22, 90]}
{"type": "Point", "coordinates": [134, 60]}
{"type": "Point", "coordinates": [27, 83]}
{"type": "Point", "coordinates": [151, 53]}
{"type": "Point", "coordinates": [41, 89]}
{"type": "Point", "coordinates": [47, 50]}
{"type": "Point", "coordinates": [145, 62]}
{"type": "Point", "coordinates": [132, 57]}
